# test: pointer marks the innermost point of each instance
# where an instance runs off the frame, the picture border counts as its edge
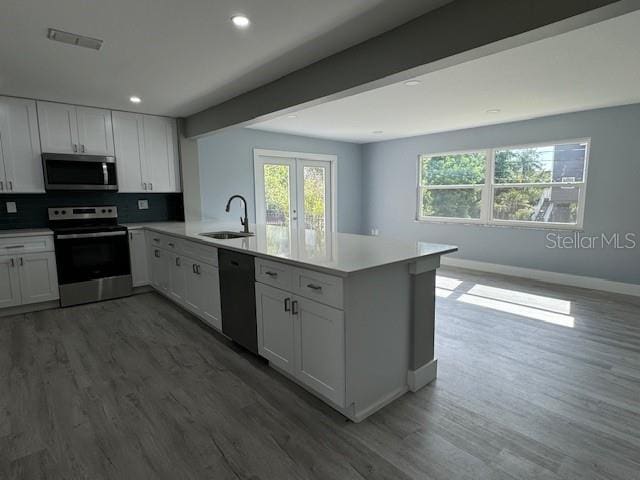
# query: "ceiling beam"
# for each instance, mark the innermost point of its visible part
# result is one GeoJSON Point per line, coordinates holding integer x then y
{"type": "Point", "coordinates": [457, 32]}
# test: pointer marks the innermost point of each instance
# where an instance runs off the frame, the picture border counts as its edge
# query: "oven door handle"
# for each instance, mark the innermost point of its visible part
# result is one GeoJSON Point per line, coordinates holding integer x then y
{"type": "Point", "coordinates": [105, 173]}
{"type": "Point", "coordinates": [90, 235]}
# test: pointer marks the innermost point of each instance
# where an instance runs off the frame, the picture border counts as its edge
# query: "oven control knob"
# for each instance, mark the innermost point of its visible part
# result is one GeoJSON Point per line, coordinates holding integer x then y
{"type": "Point", "coordinates": [104, 211]}
{"type": "Point", "coordinates": [64, 212]}
{"type": "Point", "coordinates": [110, 210]}
{"type": "Point", "coordinates": [56, 212]}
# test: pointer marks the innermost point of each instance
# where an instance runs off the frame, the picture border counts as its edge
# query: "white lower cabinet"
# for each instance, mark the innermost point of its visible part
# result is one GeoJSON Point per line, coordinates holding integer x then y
{"type": "Point", "coordinates": [139, 260]}
{"type": "Point", "coordinates": [28, 278]}
{"type": "Point", "coordinates": [9, 283]}
{"type": "Point", "coordinates": [191, 283]}
{"type": "Point", "coordinates": [275, 326]}
{"type": "Point", "coordinates": [304, 338]}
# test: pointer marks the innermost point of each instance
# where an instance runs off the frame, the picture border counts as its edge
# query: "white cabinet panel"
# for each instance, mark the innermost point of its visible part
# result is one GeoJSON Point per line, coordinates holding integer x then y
{"type": "Point", "coordinates": [20, 147]}
{"type": "Point", "coordinates": [202, 295]}
{"type": "Point", "coordinates": [129, 145]}
{"type": "Point", "coordinates": [319, 348]}
{"type": "Point", "coordinates": [38, 277]}
{"type": "Point", "coordinates": [138, 255]}
{"type": "Point", "coordinates": [177, 278]}
{"type": "Point", "coordinates": [160, 269]}
{"type": "Point", "coordinates": [95, 131]}
{"type": "Point", "coordinates": [58, 127]}
{"type": "Point", "coordinates": [161, 154]}
{"type": "Point", "coordinates": [275, 326]}
{"type": "Point", "coordinates": [9, 282]}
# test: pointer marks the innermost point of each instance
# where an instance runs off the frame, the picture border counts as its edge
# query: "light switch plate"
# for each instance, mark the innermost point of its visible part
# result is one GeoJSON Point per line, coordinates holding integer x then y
{"type": "Point", "coordinates": [11, 207]}
{"type": "Point", "coordinates": [143, 204]}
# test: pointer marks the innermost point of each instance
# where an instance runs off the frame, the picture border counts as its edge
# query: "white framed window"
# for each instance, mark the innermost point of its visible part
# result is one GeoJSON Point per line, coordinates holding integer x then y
{"type": "Point", "coordinates": [539, 185]}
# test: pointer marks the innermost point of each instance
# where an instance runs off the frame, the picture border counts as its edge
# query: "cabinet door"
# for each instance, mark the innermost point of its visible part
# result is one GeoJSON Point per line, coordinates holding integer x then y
{"type": "Point", "coordinates": [177, 278]}
{"type": "Point", "coordinates": [9, 282]}
{"type": "Point", "coordinates": [210, 308]}
{"type": "Point", "coordinates": [138, 254]}
{"type": "Point", "coordinates": [160, 269]}
{"type": "Point", "coordinates": [161, 154]}
{"type": "Point", "coordinates": [194, 291]}
{"type": "Point", "coordinates": [58, 127]}
{"type": "Point", "coordinates": [20, 146]}
{"type": "Point", "coordinates": [319, 348]}
{"type": "Point", "coordinates": [38, 277]}
{"type": "Point", "coordinates": [275, 326]}
{"type": "Point", "coordinates": [95, 131]}
{"type": "Point", "coordinates": [129, 144]}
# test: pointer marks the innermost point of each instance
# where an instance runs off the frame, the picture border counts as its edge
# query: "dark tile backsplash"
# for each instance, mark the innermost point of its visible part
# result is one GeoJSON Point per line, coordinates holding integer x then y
{"type": "Point", "coordinates": [32, 209]}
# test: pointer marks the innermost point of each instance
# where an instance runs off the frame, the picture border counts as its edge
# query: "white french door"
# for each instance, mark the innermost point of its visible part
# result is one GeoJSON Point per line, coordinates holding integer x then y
{"type": "Point", "coordinates": [294, 200]}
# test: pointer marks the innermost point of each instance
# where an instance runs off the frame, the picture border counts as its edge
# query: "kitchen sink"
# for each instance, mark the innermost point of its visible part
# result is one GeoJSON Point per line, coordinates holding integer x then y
{"type": "Point", "coordinates": [224, 235]}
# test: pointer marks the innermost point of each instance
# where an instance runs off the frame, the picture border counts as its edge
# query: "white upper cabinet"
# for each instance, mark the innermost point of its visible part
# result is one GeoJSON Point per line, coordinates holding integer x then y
{"type": "Point", "coordinates": [161, 154]}
{"type": "Point", "coordinates": [128, 134]}
{"type": "Point", "coordinates": [20, 163]}
{"type": "Point", "coordinates": [146, 152]}
{"type": "Point", "coordinates": [70, 129]}
{"type": "Point", "coordinates": [95, 132]}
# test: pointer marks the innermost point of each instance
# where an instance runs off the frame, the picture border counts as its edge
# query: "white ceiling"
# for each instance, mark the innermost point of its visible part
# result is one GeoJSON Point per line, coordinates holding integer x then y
{"type": "Point", "coordinates": [179, 56]}
{"type": "Point", "coordinates": [592, 67]}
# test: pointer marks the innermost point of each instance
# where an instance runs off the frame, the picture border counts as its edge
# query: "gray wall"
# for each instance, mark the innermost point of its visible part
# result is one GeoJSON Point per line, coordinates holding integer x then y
{"type": "Point", "coordinates": [612, 199]}
{"type": "Point", "coordinates": [226, 168]}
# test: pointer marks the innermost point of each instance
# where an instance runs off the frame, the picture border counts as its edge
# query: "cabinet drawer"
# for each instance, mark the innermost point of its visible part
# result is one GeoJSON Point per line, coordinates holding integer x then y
{"type": "Point", "coordinates": [317, 286]}
{"type": "Point", "coordinates": [20, 245]}
{"type": "Point", "coordinates": [274, 273]}
{"type": "Point", "coordinates": [164, 241]}
{"type": "Point", "coordinates": [202, 253]}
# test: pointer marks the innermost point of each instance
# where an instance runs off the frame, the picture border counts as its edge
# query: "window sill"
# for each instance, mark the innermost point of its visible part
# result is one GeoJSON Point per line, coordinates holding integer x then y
{"type": "Point", "coordinates": [504, 224]}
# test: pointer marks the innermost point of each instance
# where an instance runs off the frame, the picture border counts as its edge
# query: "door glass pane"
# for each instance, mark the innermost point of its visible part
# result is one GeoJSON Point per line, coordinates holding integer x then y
{"type": "Point", "coordinates": [277, 201]}
{"type": "Point", "coordinates": [315, 205]}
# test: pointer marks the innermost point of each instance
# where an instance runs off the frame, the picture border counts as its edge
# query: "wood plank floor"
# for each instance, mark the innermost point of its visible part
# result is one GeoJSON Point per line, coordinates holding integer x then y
{"type": "Point", "coordinates": [535, 381]}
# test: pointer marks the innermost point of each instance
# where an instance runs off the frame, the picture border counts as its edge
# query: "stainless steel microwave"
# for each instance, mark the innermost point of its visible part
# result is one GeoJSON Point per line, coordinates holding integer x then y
{"type": "Point", "coordinates": [64, 171]}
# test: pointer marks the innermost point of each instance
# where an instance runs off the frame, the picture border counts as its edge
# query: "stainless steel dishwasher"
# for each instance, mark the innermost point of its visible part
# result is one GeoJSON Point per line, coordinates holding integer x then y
{"type": "Point", "coordinates": [238, 298]}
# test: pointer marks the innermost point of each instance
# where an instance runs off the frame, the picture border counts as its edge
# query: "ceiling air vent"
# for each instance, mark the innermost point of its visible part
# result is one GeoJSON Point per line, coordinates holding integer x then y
{"type": "Point", "coordinates": [74, 39]}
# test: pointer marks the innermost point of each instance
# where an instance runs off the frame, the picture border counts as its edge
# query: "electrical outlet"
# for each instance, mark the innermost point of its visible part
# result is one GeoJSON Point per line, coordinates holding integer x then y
{"type": "Point", "coordinates": [143, 204]}
{"type": "Point", "coordinates": [11, 207]}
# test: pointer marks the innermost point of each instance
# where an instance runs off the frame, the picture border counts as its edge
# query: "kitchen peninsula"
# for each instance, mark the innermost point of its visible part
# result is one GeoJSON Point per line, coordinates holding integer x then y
{"type": "Point", "coordinates": [348, 317]}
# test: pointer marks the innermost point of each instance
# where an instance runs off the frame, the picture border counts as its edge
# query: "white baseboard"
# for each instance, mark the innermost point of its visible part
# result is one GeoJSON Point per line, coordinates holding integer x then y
{"type": "Point", "coordinates": [565, 279]}
{"type": "Point", "coordinates": [416, 379]}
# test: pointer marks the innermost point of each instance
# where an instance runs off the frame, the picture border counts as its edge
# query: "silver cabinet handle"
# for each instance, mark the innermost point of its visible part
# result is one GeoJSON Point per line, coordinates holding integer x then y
{"type": "Point", "coordinates": [171, 244]}
{"type": "Point", "coordinates": [156, 239]}
{"type": "Point", "coordinates": [144, 185]}
{"type": "Point", "coordinates": [294, 307]}
{"type": "Point", "coordinates": [90, 235]}
{"type": "Point", "coordinates": [287, 304]}
{"type": "Point", "coordinates": [75, 147]}
{"type": "Point", "coordinates": [21, 262]}
{"type": "Point", "coordinates": [130, 235]}
{"type": "Point", "coordinates": [82, 148]}
{"type": "Point", "coordinates": [150, 186]}
{"type": "Point", "coordinates": [156, 253]}
{"type": "Point", "coordinates": [11, 185]}
{"type": "Point", "coordinates": [13, 262]}
{"type": "Point", "coordinates": [314, 287]}
{"type": "Point", "coordinates": [198, 270]}
{"type": "Point", "coordinates": [177, 261]}
{"type": "Point", "coordinates": [193, 268]}
{"type": "Point", "coordinates": [14, 246]}
{"type": "Point", "coordinates": [1, 185]}
{"type": "Point", "coordinates": [271, 274]}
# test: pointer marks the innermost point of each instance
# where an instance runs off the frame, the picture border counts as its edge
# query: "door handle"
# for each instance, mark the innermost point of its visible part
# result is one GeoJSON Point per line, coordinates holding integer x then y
{"type": "Point", "coordinates": [314, 287]}
{"type": "Point", "coordinates": [177, 261]}
{"type": "Point", "coordinates": [13, 263]}
{"type": "Point", "coordinates": [193, 268]}
{"type": "Point", "coordinates": [75, 148]}
{"type": "Point", "coordinates": [21, 262]}
{"type": "Point", "coordinates": [11, 185]}
{"type": "Point", "coordinates": [14, 246]}
{"type": "Point", "coordinates": [294, 307]}
{"type": "Point", "coordinates": [105, 173]}
{"type": "Point", "coordinates": [156, 253]}
{"type": "Point", "coordinates": [271, 274]}
{"type": "Point", "coordinates": [287, 304]}
{"type": "Point", "coordinates": [82, 148]}
{"type": "Point", "coordinates": [150, 186]}
{"type": "Point", "coordinates": [144, 185]}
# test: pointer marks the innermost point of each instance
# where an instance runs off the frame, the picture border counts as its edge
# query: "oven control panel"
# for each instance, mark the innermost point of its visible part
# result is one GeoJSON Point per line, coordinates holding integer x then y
{"type": "Point", "coordinates": [82, 213]}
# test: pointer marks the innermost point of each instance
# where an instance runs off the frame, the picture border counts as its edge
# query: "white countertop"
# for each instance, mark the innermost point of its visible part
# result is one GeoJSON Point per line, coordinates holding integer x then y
{"type": "Point", "coordinates": [25, 232]}
{"type": "Point", "coordinates": [340, 253]}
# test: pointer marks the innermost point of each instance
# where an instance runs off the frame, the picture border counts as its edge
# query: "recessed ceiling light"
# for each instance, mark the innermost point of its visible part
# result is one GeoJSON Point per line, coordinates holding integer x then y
{"type": "Point", "coordinates": [377, 132]}
{"type": "Point", "coordinates": [292, 116]}
{"type": "Point", "coordinates": [412, 83]}
{"type": "Point", "coordinates": [240, 21]}
{"type": "Point", "coordinates": [135, 99]}
{"type": "Point", "coordinates": [493, 110]}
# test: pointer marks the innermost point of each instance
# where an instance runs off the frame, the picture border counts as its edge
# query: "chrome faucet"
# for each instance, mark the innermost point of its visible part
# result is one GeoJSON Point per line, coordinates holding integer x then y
{"type": "Point", "coordinates": [245, 221]}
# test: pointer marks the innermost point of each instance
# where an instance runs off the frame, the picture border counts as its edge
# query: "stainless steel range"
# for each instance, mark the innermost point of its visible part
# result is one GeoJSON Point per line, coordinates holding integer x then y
{"type": "Point", "coordinates": [92, 254]}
